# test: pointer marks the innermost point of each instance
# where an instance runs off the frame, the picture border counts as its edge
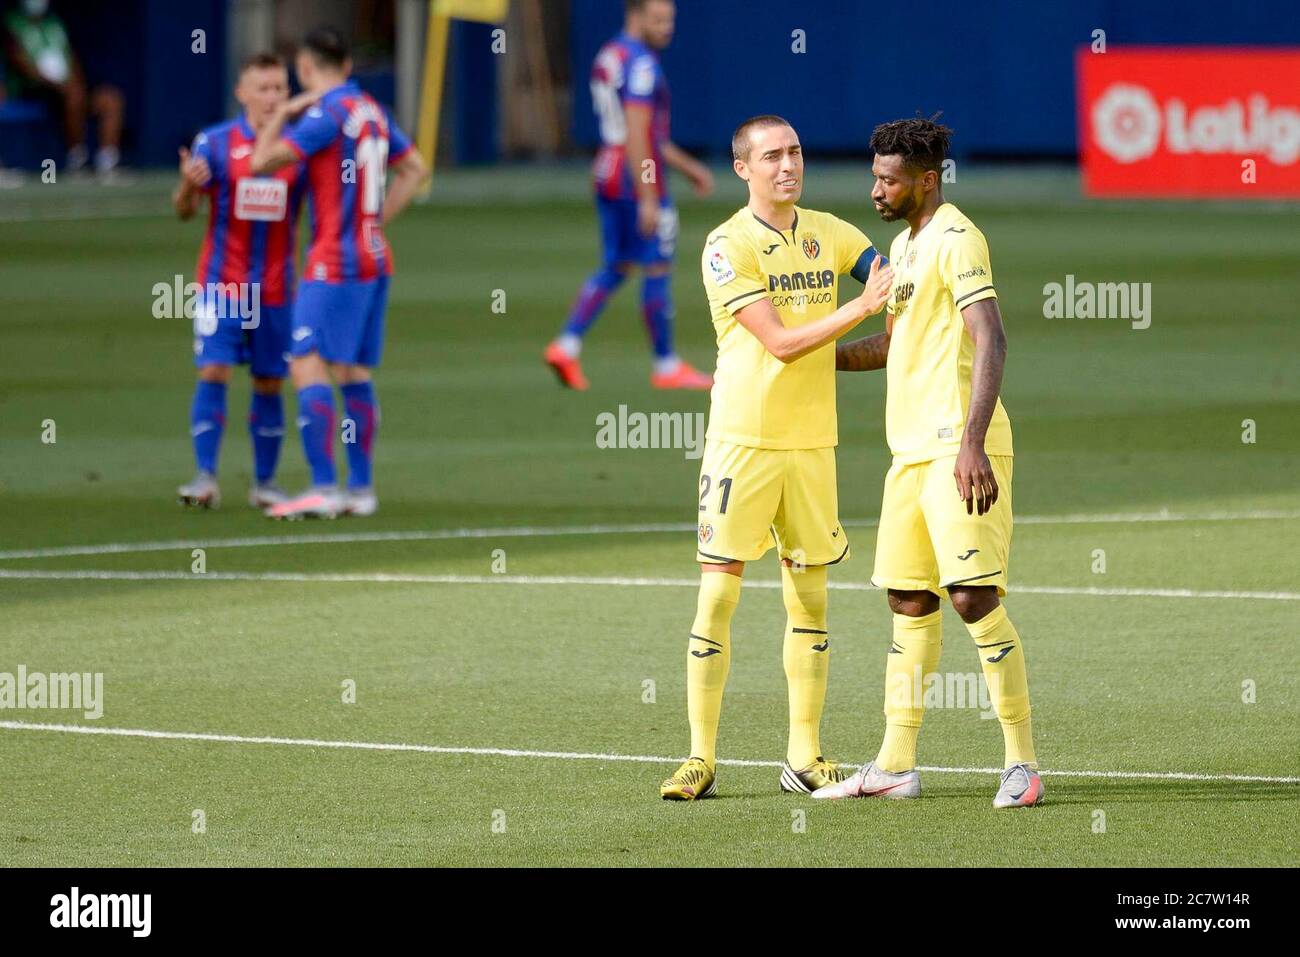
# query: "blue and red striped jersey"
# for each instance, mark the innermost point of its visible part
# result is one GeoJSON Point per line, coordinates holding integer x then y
{"type": "Point", "coordinates": [252, 220]}
{"type": "Point", "coordinates": [626, 71]}
{"type": "Point", "coordinates": [348, 142]}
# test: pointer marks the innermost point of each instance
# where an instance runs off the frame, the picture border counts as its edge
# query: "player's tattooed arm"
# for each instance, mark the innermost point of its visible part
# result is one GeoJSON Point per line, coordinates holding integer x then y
{"type": "Point", "coordinates": [976, 483]}
{"type": "Point", "coordinates": [863, 355]}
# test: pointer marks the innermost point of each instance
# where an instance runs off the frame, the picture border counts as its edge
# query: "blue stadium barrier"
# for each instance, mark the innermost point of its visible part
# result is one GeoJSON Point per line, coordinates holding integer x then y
{"type": "Point", "coordinates": [1001, 71]}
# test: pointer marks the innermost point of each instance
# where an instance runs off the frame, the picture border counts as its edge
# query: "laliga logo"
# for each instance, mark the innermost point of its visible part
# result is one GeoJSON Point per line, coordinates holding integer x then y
{"type": "Point", "coordinates": [1126, 122]}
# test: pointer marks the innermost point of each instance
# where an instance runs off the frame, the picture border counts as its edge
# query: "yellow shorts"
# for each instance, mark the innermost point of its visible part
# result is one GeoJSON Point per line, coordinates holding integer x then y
{"type": "Point", "coordinates": [752, 499]}
{"type": "Point", "coordinates": [927, 542]}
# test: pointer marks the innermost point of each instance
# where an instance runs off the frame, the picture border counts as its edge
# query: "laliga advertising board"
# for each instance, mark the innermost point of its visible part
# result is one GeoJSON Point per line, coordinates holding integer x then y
{"type": "Point", "coordinates": [1184, 121]}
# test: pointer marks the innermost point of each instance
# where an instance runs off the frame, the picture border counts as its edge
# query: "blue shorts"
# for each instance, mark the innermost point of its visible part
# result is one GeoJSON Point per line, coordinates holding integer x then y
{"type": "Point", "coordinates": [343, 321]}
{"type": "Point", "coordinates": [264, 348]}
{"type": "Point", "coordinates": [621, 241]}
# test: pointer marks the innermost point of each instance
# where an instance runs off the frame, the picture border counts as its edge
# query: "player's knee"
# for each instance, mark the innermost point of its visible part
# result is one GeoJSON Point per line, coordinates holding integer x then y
{"type": "Point", "coordinates": [804, 592]}
{"type": "Point", "coordinates": [913, 604]}
{"type": "Point", "coordinates": [972, 604]}
{"type": "Point", "coordinates": [214, 373]}
{"type": "Point", "coordinates": [349, 374]}
{"type": "Point", "coordinates": [266, 385]}
{"type": "Point", "coordinates": [657, 270]}
{"type": "Point", "coordinates": [723, 568]}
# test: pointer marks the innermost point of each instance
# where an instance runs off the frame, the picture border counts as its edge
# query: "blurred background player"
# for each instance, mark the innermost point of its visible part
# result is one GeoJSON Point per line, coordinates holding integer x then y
{"type": "Point", "coordinates": [638, 223]}
{"type": "Point", "coordinates": [943, 350]}
{"type": "Point", "coordinates": [46, 68]}
{"type": "Point", "coordinates": [767, 478]}
{"type": "Point", "coordinates": [251, 239]}
{"type": "Point", "coordinates": [348, 142]}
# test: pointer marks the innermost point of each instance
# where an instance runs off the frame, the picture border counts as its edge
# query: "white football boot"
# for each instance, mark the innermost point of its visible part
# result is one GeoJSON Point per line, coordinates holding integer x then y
{"type": "Point", "coordinates": [360, 502]}
{"type": "Point", "coordinates": [870, 781]}
{"type": "Point", "coordinates": [265, 494]}
{"type": "Point", "coordinates": [1020, 787]}
{"type": "Point", "coordinates": [201, 491]}
{"type": "Point", "coordinates": [323, 502]}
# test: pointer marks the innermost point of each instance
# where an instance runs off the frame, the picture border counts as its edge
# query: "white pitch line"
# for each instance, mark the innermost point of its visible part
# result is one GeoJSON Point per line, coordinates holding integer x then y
{"type": "Point", "coordinates": [542, 531]}
{"type": "Point", "coordinates": [610, 580]}
{"type": "Point", "coordinates": [1163, 515]}
{"type": "Point", "coordinates": [577, 755]}
{"type": "Point", "coordinates": [435, 535]}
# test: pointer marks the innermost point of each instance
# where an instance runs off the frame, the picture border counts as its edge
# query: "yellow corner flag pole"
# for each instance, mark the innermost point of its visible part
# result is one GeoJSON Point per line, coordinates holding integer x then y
{"type": "Point", "coordinates": [441, 12]}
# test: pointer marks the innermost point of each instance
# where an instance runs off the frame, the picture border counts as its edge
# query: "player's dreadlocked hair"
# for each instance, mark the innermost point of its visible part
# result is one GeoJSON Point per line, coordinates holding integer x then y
{"type": "Point", "coordinates": [922, 143]}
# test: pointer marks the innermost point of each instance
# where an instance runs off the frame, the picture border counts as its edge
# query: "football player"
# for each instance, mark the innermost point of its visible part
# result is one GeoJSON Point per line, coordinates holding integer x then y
{"type": "Point", "coordinates": [945, 522]}
{"type": "Point", "coordinates": [772, 275]}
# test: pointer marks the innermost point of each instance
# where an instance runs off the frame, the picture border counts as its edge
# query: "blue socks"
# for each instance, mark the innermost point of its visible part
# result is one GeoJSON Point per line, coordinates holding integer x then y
{"type": "Point", "coordinates": [591, 300]}
{"type": "Point", "coordinates": [266, 426]}
{"type": "Point", "coordinates": [207, 421]}
{"type": "Point", "coordinates": [657, 309]}
{"type": "Point", "coordinates": [316, 425]}
{"type": "Point", "coordinates": [360, 406]}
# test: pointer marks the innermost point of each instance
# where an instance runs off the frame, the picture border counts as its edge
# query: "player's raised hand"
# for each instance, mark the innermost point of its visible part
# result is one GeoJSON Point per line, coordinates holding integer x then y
{"type": "Point", "coordinates": [879, 283]}
{"type": "Point", "coordinates": [194, 170]}
{"type": "Point", "coordinates": [976, 483]}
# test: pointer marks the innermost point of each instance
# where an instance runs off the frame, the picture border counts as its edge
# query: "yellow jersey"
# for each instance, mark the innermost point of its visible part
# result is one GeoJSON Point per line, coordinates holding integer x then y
{"type": "Point", "coordinates": [937, 273]}
{"type": "Point", "coordinates": [758, 400]}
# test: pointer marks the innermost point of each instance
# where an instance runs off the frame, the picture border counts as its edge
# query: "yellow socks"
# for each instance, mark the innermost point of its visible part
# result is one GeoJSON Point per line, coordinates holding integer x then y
{"type": "Point", "coordinates": [1003, 661]}
{"type": "Point", "coordinates": [708, 660]}
{"type": "Point", "coordinates": [913, 655]}
{"type": "Point", "coordinates": [806, 655]}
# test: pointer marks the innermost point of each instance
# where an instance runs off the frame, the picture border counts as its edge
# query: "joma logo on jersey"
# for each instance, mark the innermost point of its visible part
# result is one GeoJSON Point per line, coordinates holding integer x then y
{"type": "Point", "coordinates": [812, 279]}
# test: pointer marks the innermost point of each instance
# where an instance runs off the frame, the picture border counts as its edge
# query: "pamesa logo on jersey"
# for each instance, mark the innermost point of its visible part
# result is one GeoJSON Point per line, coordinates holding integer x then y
{"type": "Point", "coordinates": [812, 279]}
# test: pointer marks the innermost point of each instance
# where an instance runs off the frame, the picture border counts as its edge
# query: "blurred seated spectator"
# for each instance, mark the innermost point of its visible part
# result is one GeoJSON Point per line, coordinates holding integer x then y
{"type": "Point", "coordinates": [43, 66]}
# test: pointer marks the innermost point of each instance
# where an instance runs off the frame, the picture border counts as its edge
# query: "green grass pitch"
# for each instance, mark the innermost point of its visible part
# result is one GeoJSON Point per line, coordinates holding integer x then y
{"type": "Point", "coordinates": [1146, 672]}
